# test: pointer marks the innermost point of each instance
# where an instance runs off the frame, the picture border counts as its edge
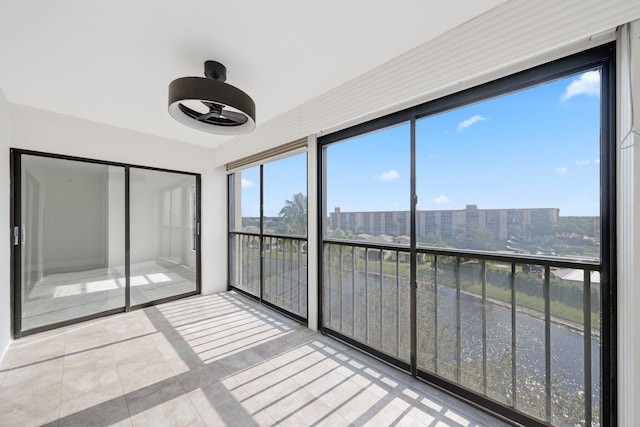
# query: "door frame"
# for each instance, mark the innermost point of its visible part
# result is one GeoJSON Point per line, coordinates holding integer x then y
{"type": "Point", "coordinates": [16, 240]}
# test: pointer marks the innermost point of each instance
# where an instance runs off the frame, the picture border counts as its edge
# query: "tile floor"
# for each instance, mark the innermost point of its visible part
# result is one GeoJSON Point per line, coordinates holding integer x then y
{"type": "Point", "coordinates": [63, 296]}
{"type": "Point", "coordinates": [210, 360]}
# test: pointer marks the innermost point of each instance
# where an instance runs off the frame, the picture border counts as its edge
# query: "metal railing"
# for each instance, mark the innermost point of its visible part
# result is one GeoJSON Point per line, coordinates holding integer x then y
{"type": "Point", "coordinates": [504, 327]}
{"type": "Point", "coordinates": [272, 268]}
{"type": "Point", "coordinates": [244, 272]}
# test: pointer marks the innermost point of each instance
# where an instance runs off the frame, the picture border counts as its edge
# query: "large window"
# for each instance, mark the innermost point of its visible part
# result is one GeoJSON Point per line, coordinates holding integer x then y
{"type": "Point", "coordinates": [474, 232]}
{"type": "Point", "coordinates": [268, 233]}
{"type": "Point", "coordinates": [367, 286]}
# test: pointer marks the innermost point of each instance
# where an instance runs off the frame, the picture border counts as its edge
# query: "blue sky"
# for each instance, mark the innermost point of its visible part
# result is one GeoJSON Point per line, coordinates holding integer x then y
{"type": "Point", "coordinates": [534, 148]}
{"type": "Point", "coordinates": [282, 179]}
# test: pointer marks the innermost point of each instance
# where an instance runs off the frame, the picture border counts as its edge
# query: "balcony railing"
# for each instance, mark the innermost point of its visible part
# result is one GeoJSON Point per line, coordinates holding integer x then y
{"type": "Point", "coordinates": [279, 263]}
{"type": "Point", "coordinates": [507, 328]}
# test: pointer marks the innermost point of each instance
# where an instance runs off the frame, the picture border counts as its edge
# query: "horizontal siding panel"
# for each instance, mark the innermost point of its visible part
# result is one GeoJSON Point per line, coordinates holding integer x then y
{"type": "Point", "coordinates": [278, 131]}
{"type": "Point", "coordinates": [514, 36]}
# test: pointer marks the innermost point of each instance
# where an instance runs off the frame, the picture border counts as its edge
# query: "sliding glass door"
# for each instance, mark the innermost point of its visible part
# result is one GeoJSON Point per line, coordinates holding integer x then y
{"type": "Point", "coordinates": [92, 238]}
{"type": "Point", "coordinates": [72, 248]}
{"type": "Point", "coordinates": [163, 235]}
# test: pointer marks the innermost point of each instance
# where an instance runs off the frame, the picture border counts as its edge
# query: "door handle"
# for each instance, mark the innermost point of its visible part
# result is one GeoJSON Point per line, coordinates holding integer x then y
{"type": "Point", "coordinates": [16, 235]}
{"type": "Point", "coordinates": [24, 234]}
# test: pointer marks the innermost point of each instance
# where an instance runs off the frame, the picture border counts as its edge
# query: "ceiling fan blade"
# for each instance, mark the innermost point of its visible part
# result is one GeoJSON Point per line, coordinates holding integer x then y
{"type": "Point", "coordinates": [233, 116]}
{"type": "Point", "coordinates": [213, 106]}
{"type": "Point", "coordinates": [207, 116]}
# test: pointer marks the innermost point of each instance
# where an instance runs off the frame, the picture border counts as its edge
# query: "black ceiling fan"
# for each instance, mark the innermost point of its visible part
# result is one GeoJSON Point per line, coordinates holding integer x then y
{"type": "Point", "coordinates": [210, 104]}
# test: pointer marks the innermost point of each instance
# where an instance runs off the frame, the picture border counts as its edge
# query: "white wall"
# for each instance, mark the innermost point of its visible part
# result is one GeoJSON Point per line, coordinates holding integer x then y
{"type": "Point", "coordinates": [146, 216]}
{"type": "Point", "coordinates": [628, 223]}
{"type": "Point", "coordinates": [5, 279]}
{"type": "Point", "coordinates": [45, 131]}
{"type": "Point", "coordinates": [70, 200]}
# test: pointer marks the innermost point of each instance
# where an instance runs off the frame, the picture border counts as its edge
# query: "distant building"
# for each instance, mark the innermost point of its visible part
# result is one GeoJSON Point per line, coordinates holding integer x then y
{"type": "Point", "coordinates": [502, 223]}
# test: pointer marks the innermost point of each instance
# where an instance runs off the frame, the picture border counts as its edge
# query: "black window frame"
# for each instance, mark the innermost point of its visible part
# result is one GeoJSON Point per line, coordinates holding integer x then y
{"type": "Point", "coordinates": [261, 235]}
{"type": "Point", "coordinates": [16, 257]}
{"type": "Point", "coordinates": [602, 57]}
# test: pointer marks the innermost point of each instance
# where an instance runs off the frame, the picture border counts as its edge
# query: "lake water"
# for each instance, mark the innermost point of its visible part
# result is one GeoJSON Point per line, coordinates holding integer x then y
{"type": "Point", "coordinates": [567, 343]}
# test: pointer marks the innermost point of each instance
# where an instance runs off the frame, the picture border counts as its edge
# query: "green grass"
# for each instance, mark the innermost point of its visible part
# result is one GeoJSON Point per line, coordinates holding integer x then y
{"type": "Point", "coordinates": [558, 309]}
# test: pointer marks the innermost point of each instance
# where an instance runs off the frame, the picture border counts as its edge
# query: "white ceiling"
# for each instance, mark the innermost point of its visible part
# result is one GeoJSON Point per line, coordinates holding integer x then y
{"type": "Point", "coordinates": [112, 61]}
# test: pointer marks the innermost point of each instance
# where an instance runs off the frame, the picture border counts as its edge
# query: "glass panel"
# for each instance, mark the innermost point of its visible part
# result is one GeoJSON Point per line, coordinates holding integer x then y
{"type": "Point", "coordinates": [396, 304]}
{"type": "Point", "coordinates": [326, 293]}
{"type": "Point", "coordinates": [367, 289]}
{"type": "Point", "coordinates": [245, 263]}
{"type": "Point", "coordinates": [403, 307]}
{"type": "Point", "coordinates": [472, 335]}
{"type": "Point", "coordinates": [367, 297]}
{"type": "Point", "coordinates": [499, 332]}
{"type": "Point", "coordinates": [72, 240]}
{"type": "Point", "coordinates": [285, 196]}
{"type": "Point", "coordinates": [596, 333]}
{"type": "Point", "coordinates": [427, 314]}
{"type": "Point", "coordinates": [367, 191]}
{"type": "Point", "coordinates": [360, 294]}
{"type": "Point", "coordinates": [447, 318]}
{"type": "Point", "coordinates": [285, 214]}
{"type": "Point", "coordinates": [246, 209]}
{"type": "Point", "coordinates": [567, 350]}
{"type": "Point", "coordinates": [519, 173]}
{"type": "Point", "coordinates": [163, 262]}
{"type": "Point", "coordinates": [348, 282]}
{"type": "Point", "coordinates": [530, 340]}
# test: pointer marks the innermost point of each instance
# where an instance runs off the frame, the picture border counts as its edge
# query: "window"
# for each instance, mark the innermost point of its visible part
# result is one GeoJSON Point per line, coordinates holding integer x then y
{"type": "Point", "coordinates": [268, 233]}
{"type": "Point", "coordinates": [519, 173]}
{"type": "Point", "coordinates": [494, 203]}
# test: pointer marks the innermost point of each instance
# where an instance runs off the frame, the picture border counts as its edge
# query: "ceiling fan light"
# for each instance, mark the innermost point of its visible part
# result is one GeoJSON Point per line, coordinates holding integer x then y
{"type": "Point", "coordinates": [230, 110]}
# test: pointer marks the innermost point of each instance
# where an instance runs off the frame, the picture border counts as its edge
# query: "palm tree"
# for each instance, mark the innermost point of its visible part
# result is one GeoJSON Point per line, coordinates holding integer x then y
{"type": "Point", "coordinates": [294, 215]}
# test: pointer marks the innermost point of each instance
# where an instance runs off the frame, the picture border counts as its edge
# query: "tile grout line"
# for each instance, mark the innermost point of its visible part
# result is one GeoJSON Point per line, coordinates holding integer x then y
{"type": "Point", "coordinates": [113, 356]}
{"type": "Point", "coordinates": [175, 376]}
{"type": "Point", "coordinates": [64, 363]}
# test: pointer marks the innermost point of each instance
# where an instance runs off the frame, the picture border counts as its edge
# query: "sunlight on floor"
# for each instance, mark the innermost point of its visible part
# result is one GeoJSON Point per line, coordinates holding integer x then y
{"type": "Point", "coordinates": [213, 360]}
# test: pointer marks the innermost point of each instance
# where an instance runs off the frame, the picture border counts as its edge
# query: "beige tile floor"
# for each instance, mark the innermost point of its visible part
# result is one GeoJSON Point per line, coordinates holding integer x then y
{"type": "Point", "coordinates": [211, 360]}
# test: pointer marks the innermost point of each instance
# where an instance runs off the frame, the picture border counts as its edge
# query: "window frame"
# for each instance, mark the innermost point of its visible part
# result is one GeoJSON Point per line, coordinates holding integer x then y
{"type": "Point", "coordinates": [602, 57]}
{"type": "Point", "coordinates": [233, 230]}
{"type": "Point", "coordinates": [16, 257]}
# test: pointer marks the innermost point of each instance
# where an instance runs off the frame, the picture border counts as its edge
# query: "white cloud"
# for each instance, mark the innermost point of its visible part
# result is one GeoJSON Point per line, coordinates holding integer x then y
{"type": "Point", "coordinates": [562, 170]}
{"type": "Point", "coordinates": [246, 183]}
{"type": "Point", "coordinates": [583, 162]}
{"type": "Point", "coordinates": [389, 175]}
{"type": "Point", "coordinates": [471, 120]}
{"type": "Point", "coordinates": [596, 161]}
{"type": "Point", "coordinates": [441, 200]}
{"type": "Point", "coordinates": [586, 84]}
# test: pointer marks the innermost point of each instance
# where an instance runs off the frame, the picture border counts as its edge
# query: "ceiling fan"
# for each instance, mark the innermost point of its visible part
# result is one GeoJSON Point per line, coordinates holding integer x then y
{"type": "Point", "coordinates": [211, 105]}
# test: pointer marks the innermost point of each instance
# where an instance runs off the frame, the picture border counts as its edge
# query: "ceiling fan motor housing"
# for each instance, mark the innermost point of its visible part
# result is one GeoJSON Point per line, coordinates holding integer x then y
{"type": "Point", "coordinates": [215, 70]}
